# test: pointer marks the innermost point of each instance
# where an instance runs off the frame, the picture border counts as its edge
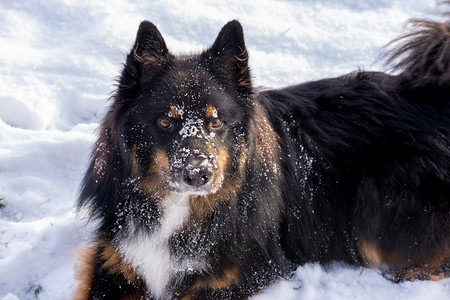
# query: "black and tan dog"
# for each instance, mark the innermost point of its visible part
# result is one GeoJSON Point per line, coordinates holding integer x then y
{"type": "Point", "coordinates": [204, 189]}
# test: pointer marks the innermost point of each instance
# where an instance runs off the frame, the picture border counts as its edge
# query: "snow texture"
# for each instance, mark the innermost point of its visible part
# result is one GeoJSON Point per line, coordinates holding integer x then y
{"type": "Point", "coordinates": [59, 59]}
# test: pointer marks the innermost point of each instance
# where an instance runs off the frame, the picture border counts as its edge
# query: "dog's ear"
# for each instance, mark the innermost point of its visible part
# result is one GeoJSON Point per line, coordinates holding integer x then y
{"type": "Point", "coordinates": [148, 55]}
{"type": "Point", "coordinates": [229, 54]}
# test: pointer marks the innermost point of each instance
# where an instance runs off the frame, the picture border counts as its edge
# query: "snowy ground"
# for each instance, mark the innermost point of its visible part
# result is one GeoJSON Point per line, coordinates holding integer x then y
{"type": "Point", "coordinates": [58, 61]}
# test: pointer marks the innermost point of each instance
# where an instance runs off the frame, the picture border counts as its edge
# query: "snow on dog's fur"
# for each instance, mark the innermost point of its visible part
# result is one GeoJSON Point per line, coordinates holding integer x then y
{"type": "Point", "coordinates": [204, 189]}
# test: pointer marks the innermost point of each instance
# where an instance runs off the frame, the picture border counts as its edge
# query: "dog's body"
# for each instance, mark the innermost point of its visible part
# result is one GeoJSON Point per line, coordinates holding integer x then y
{"type": "Point", "coordinates": [205, 190]}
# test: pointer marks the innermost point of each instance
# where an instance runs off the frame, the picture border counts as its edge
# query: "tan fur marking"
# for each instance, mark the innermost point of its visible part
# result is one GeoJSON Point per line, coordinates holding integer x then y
{"type": "Point", "coordinates": [202, 206]}
{"type": "Point", "coordinates": [84, 271]}
{"type": "Point", "coordinates": [187, 296]}
{"type": "Point", "coordinates": [223, 158]}
{"type": "Point", "coordinates": [267, 142]}
{"type": "Point", "coordinates": [154, 184]}
{"type": "Point", "coordinates": [375, 257]}
{"type": "Point", "coordinates": [438, 277]}
{"type": "Point", "coordinates": [244, 80]}
{"type": "Point", "coordinates": [371, 254]}
{"type": "Point", "coordinates": [148, 60]}
{"type": "Point", "coordinates": [161, 161]}
{"type": "Point", "coordinates": [408, 269]}
{"type": "Point", "coordinates": [112, 263]}
{"type": "Point", "coordinates": [440, 256]}
{"type": "Point", "coordinates": [238, 63]}
{"type": "Point", "coordinates": [228, 278]}
{"type": "Point", "coordinates": [174, 112]}
{"type": "Point", "coordinates": [416, 273]}
{"type": "Point", "coordinates": [115, 265]}
{"type": "Point", "coordinates": [210, 112]}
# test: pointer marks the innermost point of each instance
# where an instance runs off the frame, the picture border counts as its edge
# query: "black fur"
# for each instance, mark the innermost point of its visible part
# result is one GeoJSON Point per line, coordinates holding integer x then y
{"type": "Point", "coordinates": [354, 168]}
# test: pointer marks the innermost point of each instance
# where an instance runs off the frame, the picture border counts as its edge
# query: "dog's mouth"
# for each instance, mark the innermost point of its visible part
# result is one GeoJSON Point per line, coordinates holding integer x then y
{"type": "Point", "coordinates": [190, 190]}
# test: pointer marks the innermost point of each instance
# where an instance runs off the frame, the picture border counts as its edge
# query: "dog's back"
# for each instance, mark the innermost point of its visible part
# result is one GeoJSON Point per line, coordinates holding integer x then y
{"type": "Point", "coordinates": [371, 157]}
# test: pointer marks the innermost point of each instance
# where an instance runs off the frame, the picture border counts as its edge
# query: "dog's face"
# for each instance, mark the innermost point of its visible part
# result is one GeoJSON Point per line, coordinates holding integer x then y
{"type": "Point", "coordinates": [184, 121]}
{"type": "Point", "coordinates": [187, 118]}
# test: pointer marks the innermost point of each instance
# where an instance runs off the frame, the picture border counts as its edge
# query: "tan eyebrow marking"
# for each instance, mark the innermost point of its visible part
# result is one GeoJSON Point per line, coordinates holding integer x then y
{"type": "Point", "coordinates": [210, 111]}
{"type": "Point", "coordinates": [174, 112]}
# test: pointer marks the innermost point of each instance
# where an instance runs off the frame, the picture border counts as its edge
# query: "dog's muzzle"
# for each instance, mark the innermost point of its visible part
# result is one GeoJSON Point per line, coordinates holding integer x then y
{"type": "Point", "coordinates": [196, 172]}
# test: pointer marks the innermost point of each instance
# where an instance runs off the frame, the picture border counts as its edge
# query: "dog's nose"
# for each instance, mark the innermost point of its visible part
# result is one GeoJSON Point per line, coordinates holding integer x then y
{"type": "Point", "coordinates": [196, 174]}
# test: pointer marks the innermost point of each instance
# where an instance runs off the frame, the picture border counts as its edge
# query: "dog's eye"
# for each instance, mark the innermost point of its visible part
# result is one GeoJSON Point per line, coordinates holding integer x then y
{"type": "Point", "coordinates": [216, 123]}
{"type": "Point", "coordinates": [165, 123]}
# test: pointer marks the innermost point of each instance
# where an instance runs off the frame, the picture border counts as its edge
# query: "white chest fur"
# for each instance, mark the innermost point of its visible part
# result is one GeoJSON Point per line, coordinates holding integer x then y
{"type": "Point", "coordinates": [150, 254]}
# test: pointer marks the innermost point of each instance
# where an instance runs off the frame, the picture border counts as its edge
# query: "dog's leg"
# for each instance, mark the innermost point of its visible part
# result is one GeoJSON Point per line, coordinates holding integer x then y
{"type": "Point", "coordinates": [403, 224]}
{"type": "Point", "coordinates": [103, 275]}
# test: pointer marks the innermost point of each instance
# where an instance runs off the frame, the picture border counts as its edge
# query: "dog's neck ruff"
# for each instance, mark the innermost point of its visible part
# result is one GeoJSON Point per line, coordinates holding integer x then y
{"type": "Point", "coordinates": [150, 253]}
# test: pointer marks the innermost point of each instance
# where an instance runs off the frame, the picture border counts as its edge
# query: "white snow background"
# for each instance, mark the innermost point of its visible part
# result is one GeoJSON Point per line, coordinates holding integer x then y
{"type": "Point", "coordinates": [58, 64]}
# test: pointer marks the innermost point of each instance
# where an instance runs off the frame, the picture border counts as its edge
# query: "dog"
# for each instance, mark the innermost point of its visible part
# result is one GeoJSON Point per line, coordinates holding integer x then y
{"type": "Point", "coordinates": [203, 188]}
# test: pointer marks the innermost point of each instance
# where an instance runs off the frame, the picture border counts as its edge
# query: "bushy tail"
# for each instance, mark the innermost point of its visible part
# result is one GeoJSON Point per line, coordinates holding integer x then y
{"type": "Point", "coordinates": [423, 55]}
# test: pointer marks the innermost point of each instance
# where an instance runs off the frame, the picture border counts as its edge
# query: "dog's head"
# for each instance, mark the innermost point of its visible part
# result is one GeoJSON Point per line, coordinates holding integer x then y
{"type": "Point", "coordinates": [181, 125]}
{"type": "Point", "coordinates": [182, 119]}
